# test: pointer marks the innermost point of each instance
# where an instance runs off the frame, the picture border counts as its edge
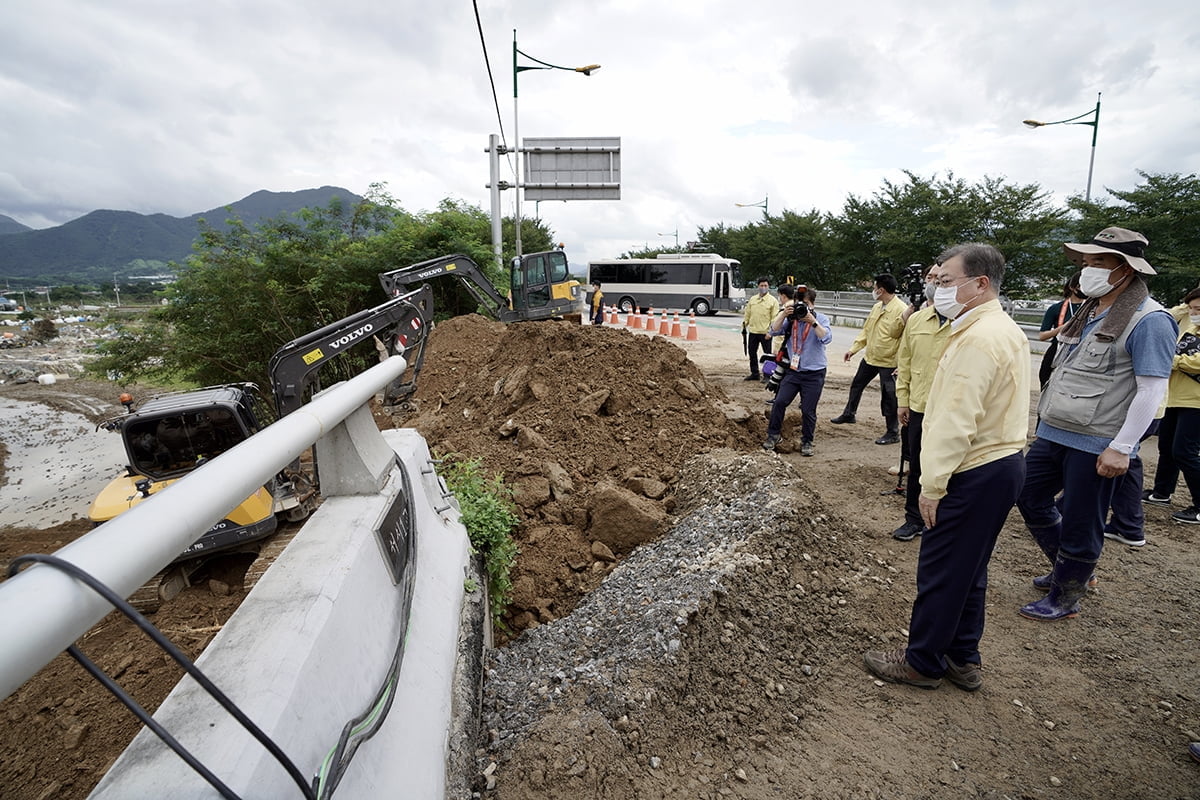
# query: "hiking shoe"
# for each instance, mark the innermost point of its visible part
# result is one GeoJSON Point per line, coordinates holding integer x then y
{"type": "Point", "coordinates": [1129, 540]}
{"type": "Point", "coordinates": [908, 531]}
{"type": "Point", "coordinates": [844, 419]}
{"type": "Point", "coordinates": [769, 444]}
{"type": "Point", "coordinates": [1190, 516]}
{"type": "Point", "coordinates": [1149, 496]}
{"type": "Point", "coordinates": [891, 437]}
{"type": "Point", "coordinates": [806, 449]}
{"type": "Point", "coordinates": [968, 677]}
{"type": "Point", "coordinates": [892, 666]}
{"type": "Point", "coordinates": [751, 378]}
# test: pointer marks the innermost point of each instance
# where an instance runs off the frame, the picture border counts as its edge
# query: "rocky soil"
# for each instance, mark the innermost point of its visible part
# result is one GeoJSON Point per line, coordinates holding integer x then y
{"type": "Point", "coordinates": [691, 612]}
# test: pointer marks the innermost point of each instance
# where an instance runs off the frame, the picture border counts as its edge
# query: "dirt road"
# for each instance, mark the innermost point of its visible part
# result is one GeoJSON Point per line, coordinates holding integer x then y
{"type": "Point", "coordinates": [752, 685]}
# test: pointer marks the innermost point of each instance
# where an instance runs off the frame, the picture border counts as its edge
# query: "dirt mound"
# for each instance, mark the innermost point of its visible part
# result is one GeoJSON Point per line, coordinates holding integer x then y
{"type": "Point", "coordinates": [587, 424]}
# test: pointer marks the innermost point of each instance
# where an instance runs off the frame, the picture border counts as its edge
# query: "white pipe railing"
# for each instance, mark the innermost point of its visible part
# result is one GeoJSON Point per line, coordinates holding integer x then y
{"type": "Point", "coordinates": [43, 611]}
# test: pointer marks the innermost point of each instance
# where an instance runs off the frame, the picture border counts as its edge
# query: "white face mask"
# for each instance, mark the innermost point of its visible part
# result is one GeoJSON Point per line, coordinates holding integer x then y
{"type": "Point", "coordinates": [762, 290]}
{"type": "Point", "coordinates": [1093, 282]}
{"type": "Point", "coordinates": [945, 300]}
{"type": "Point", "coordinates": [930, 288]}
{"type": "Point", "coordinates": [1195, 319]}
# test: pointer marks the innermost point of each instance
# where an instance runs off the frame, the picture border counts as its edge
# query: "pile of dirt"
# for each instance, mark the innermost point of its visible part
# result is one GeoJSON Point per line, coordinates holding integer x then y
{"type": "Point", "coordinates": [587, 424]}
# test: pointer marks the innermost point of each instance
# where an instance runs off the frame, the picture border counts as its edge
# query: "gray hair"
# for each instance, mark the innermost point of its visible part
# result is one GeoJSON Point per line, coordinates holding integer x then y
{"type": "Point", "coordinates": [978, 259]}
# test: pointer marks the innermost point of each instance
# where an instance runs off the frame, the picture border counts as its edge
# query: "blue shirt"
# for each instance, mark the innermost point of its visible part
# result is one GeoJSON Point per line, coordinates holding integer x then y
{"type": "Point", "coordinates": [1151, 346]}
{"type": "Point", "coordinates": [806, 343]}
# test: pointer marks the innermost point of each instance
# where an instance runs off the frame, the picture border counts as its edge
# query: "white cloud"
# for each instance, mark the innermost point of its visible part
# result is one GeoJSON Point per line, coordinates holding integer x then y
{"type": "Point", "coordinates": [152, 107]}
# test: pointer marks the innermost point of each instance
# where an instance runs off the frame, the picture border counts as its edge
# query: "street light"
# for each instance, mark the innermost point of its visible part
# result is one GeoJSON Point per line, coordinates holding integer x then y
{"type": "Point", "coordinates": [674, 233]}
{"type": "Point", "coordinates": [1079, 120]}
{"type": "Point", "coordinates": [760, 204]}
{"type": "Point", "coordinates": [517, 70]}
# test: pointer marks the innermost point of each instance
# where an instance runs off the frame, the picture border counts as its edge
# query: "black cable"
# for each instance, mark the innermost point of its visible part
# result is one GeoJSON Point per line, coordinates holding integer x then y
{"type": "Point", "coordinates": [182, 660]}
{"type": "Point", "coordinates": [491, 79]}
{"type": "Point", "coordinates": [333, 768]}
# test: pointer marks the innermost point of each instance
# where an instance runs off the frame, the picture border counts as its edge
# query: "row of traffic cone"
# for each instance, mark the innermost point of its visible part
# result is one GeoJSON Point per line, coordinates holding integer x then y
{"type": "Point", "coordinates": [666, 327]}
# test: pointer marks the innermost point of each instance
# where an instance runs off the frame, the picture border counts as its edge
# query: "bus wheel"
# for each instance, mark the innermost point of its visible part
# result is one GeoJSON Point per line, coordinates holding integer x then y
{"type": "Point", "coordinates": [702, 307]}
{"type": "Point", "coordinates": [626, 305]}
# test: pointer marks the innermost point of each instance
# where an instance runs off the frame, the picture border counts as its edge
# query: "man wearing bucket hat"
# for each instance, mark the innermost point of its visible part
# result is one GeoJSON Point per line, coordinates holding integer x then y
{"type": "Point", "coordinates": [1108, 380]}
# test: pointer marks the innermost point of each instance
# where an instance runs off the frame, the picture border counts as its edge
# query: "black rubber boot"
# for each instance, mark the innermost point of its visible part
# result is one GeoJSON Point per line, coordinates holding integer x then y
{"type": "Point", "coordinates": [1068, 585]}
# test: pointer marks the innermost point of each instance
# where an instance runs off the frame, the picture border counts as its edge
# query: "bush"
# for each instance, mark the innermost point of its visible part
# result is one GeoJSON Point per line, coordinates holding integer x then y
{"type": "Point", "coordinates": [44, 330]}
{"type": "Point", "coordinates": [489, 517]}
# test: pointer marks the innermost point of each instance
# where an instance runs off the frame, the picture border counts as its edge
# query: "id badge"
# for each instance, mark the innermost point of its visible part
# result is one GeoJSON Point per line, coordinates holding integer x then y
{"type": "Point", "coordinates": [795, 362]}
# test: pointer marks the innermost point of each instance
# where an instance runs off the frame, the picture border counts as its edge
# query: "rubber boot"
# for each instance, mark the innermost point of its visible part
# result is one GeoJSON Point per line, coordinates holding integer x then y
{"type": "Point", "coordinates": [1068, 585]}
{"type": "Point", "coordinates": [1043, 582]}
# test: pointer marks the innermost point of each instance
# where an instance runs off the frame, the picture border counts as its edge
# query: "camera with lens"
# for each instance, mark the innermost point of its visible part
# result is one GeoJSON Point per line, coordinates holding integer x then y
{"type": "Point", "coordinates": [776, 376]}
{"type": "Point", "coordinates": [800, 307]}
{"type": "Point", "coordinates": [913, 281]}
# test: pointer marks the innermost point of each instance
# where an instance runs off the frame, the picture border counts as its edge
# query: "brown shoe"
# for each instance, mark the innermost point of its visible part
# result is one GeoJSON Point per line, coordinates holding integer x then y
{"type": "Point", "coordinates": [892, 666]}
{"type": "Point", "coordinates": [968, 677]}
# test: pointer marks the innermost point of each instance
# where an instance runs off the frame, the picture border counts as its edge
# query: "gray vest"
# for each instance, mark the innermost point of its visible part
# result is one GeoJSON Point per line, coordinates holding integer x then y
{"type": "Point", "coordinates": [1092, 385]}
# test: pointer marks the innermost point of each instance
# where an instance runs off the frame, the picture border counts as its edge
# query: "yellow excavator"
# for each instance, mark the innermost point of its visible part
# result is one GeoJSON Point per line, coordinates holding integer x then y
{"type": "Point", "coordinates": [542, 286]}
{"type": "Point", "coordinates": [169, 435]}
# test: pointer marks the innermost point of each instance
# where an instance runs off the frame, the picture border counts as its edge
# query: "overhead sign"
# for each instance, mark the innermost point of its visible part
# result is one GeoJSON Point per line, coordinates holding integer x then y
{"type": "Point", "coordinates": [573, 168]}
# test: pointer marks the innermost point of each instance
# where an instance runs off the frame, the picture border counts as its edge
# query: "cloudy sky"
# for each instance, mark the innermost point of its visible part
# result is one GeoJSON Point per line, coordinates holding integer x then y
{"type": "Point", "coordinates": [165, 106]}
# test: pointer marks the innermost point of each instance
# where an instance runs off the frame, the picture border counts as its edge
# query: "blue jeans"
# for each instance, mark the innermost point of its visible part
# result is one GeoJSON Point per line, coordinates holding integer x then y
{"type": "Point", "coordinates": [1078, 531]}
{"type": "Point", "coordinates": [1128, 519]}
{"type": "Point", "coordinates": [808, 384]}
{"type": "Point", "coordinates": [948, 614]}
{"type": "Point", "coordinates": [1179, 451]}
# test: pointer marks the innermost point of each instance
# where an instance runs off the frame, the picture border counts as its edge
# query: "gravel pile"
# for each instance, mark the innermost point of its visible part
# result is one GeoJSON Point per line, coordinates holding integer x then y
{"type": "Point", "coordinates": [634, 619]}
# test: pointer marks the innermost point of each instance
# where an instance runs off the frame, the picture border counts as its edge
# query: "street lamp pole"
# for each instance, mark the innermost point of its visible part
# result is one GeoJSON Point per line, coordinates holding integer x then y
{"type": "Point", "coordinates": [517, 70]}
{"type": "Point", "coordinates": [674, 233]}
{"type": "Point", "coordinates": [760, 204]}
{"type": "Point", "coordinates": [1078, 120]}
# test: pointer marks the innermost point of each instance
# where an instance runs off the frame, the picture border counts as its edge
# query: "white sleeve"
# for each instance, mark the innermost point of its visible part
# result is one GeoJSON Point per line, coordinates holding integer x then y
{"type": "Point", "coordinates": [1150, 393]}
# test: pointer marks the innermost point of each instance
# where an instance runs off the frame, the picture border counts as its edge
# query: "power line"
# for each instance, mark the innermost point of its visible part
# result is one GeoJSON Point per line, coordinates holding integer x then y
{"type": "Point", "coordinates": [491, 81]}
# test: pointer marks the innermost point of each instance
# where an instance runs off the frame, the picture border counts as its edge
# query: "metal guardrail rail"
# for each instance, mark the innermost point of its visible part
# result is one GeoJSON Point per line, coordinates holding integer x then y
{"type": "Point", "coordinates": [42, 610]}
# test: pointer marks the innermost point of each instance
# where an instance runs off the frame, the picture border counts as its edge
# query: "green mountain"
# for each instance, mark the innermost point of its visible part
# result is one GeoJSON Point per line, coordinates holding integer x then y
{"type": "Point", "coordinates": [10, 225]}
{"type": "Point", "coordinates": [101, 242]}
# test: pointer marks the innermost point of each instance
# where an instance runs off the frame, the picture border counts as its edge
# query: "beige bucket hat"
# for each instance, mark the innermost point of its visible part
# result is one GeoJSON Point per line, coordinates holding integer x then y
{"type": "Point", "coordinates": [1129, 245]}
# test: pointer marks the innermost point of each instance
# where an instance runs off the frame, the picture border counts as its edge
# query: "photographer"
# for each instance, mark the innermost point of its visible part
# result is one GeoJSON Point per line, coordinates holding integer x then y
{"type": "Point", "coordinates": [806, 334]}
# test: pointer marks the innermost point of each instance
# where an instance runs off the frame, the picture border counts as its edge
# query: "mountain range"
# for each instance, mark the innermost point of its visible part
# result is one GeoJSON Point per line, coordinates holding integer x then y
{"type": "Point", "coordinates": [102, 242]}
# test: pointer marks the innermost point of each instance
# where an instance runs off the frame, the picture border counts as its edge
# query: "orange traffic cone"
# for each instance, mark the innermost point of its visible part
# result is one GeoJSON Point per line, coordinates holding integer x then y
{"type": "Point", "coordinates": [629, 318]}
{"type": "Point", "coordinates": [612, 316]}
{"type": "Point", "coordinates": [675, 330]}
{"type": "Point", "coordinates": [693, 334]}
{"type": "Point", "coordinates": [664, 327]}
{"type": "Point", "coordinates": [635, 319]}
{"type": "Point", "coordinates": [650, 319]}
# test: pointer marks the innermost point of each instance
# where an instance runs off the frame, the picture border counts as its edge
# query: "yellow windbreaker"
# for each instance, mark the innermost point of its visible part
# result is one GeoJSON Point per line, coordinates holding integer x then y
{"type": "Point", "coordinates": [978, 406]}
{"type": "Point", "coordinates": [881, 333]}
{"type": "Point", "coordinates": [924, 339]}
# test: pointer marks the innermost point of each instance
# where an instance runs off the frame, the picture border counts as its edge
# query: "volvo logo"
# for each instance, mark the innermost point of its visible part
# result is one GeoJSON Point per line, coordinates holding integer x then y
{"type": "Point", "coordinates": [350, 337]}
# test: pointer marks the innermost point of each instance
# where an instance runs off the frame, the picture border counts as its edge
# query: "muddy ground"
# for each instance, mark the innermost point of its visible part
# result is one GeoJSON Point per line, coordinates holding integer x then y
{"type": "Point", "coordinates": [765, 696]}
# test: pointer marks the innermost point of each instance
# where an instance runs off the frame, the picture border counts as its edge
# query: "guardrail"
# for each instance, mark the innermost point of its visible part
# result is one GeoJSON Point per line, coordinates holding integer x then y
{"type": "Point", "coordinates": [42, 611]}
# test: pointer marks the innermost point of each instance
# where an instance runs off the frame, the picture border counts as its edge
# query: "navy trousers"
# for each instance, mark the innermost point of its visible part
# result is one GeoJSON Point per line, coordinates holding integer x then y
{"type": "Point", "coordinates": [887, 391]}
{"type": "Point", "coordinates": [753, 342]}
{"type": "Point", "coordinates": [1078, 531]}
{"type": "Point", "coordinates": [912, 491]}
{"type": "Point", "coordinates": [808, 384]}
{"type": "Point", "coordinates": [1179, 451]}
{"type": "Point", "coordinates": [948, 614]}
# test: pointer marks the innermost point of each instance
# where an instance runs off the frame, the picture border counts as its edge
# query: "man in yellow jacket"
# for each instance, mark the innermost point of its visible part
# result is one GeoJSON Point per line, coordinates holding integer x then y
{"type": "Point", "coordinates": [972, 469]}
{"type": "Point", "coordinates": [756, 320]}
{"type": "Point", "coordinates": [926, 333]}
{"type": "Point", "coordinates": [881, 337]}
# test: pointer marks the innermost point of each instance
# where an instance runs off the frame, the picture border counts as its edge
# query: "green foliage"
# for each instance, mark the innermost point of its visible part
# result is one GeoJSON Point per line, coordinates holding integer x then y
{"type": "Point", "coordinates": [490, 518]}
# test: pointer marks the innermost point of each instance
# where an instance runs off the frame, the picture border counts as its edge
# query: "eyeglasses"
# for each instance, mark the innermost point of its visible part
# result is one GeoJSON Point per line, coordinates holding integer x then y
{"type": "Point", "coordinates": [946, 283]}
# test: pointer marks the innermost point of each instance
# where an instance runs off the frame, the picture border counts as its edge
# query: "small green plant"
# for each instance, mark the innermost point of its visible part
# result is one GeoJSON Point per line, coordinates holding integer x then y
{"type": "Point", "coordinates": [489, 517]}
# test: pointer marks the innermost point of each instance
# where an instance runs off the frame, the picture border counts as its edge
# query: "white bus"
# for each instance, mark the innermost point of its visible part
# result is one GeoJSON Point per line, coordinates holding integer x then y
{"type": "Point", "coordinates": [703, 282]}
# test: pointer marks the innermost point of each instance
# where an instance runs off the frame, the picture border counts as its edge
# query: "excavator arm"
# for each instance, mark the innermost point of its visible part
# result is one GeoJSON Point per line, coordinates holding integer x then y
{"type": "Point", "coordinates": [402, 322]}
{"type": "Point", "coordinates": [458, 266]}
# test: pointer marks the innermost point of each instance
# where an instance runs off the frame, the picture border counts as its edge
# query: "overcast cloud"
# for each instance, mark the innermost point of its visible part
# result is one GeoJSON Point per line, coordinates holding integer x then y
{"type": "Point", "coordinates": [163, 106]}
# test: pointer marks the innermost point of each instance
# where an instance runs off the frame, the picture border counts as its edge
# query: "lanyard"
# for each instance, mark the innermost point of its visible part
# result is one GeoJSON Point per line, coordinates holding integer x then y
{"type": "Point", "coordinates": [798, 346]}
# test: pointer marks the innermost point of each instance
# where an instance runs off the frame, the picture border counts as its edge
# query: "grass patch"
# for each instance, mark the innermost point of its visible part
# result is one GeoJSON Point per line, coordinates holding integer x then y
{"type": "Point", "coordinates": [490, 518]}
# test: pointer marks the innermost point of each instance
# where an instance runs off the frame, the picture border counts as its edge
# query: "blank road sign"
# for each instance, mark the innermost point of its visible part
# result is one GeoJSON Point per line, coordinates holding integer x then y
{"type": "Point", "coordinates": [573, 168]}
